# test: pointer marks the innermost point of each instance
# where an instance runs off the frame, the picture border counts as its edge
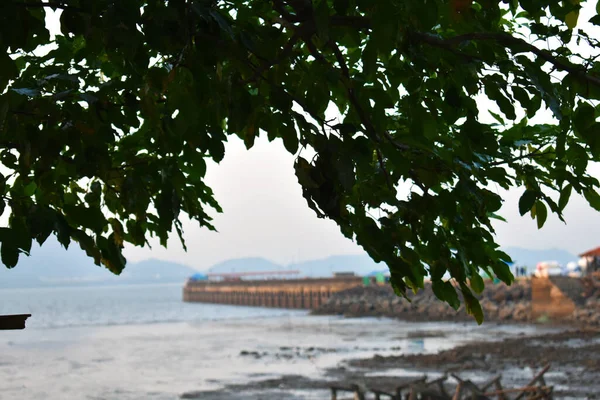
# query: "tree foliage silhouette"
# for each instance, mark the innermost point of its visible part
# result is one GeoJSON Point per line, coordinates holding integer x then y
{"type": "Point", "coordinates": [105, 129]}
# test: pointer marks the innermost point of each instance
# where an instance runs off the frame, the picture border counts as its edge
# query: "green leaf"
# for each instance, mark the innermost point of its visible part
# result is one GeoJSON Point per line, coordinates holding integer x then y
{"type": "Point", "coordinates": [112, 256]}
{"type": "Point", "coordinates": [87, 244]}
{"type": "Point", "coordinates": [472, 304]}
{"type": "Point", "coordinates": [29, 190]}
{"type": "Point", "coordinates": [584, 117]}
{"type": "Point", "coordinates": [9, 254]}
{"type": "Point", "coordinates": [477, 283]}
{"type": "Point", "coordinates": [565, 194]}
{"type": "Point", "coordinates": [321, 12]}
{"type": "Point", "coordinates": [341, 6]}
{"type": "Point", "coordinates": [369, 60]}
{"type": "Point", "coordinates": [496, 216]}
{"type": "Point", "coordinates": [491, 89]}
{"type": "Point", "coordinates": [497, 117]}
{"type": "Point", "coordinates": [541, 213]}
{"type": "Point", "coordinates": [290, 138]}
{"type": "Point", "coordinates": [398, 284]}
{"type": "Point", "coordinates": [8, 70]}
{"type": "Point", "coordinates": [571, 19]}
{"type": "Point", "coordinates": [222, 22]}
{"type": "Point", "coordinates": [527, 201]}
{"type": "Point", "coordinates": [445, 291]}
{"type": "Point", "coordinates": [593, 198]}
{"type": "Point", "coordinates": [87, 217]}
{"type": "Point", "coordinates": [521, 96]}
{"type": "Point", "coordinates": [502, 271]}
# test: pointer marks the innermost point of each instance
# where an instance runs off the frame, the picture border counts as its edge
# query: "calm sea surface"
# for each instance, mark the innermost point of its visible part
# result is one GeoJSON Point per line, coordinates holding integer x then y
{"type": "Point", "coordinates": [143, 342]}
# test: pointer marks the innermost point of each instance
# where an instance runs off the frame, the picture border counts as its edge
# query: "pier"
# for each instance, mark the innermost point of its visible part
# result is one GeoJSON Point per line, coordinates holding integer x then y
{"type": "Point", "coordinates": [304, 293]}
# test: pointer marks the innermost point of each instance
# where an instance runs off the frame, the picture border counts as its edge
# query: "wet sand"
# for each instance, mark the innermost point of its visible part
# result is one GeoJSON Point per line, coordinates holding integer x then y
{"type": "Point", "coordinates": [574, 357]}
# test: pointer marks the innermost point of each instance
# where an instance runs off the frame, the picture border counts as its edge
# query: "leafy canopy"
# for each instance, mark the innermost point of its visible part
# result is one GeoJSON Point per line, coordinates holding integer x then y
{"type": "Point", "coordinates": [106, 129]}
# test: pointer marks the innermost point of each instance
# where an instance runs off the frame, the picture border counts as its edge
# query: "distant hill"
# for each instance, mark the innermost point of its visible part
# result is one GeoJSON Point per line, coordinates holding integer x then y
{"type": "Point", "coordinates": [248, 264]}
{"type": "Point", "coordinates": [51, 264]}
{"type": "Point", "coordinates": [154, 269]}
{"type": "Point", "coordinates": [359, 264]}
{"type": "Point", "coordinates": [530, 258]}
{"type": "Point", "coordinates": [363, 265]}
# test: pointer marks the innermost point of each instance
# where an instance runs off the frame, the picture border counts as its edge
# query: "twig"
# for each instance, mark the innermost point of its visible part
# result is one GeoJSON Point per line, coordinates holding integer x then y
{"type": "Point", "coordinates": [383, 169]}
{"type": "Point", "coordinates": [511, 42]}
{"type": "Point", "coordinates": [314, 52]}
{"type": "Point", "coordinates": [51, 4]}
{"type": "Point", "coordinates": [352, 97]}
{"type": "Point", "coordinates": [270, 63]}
{"type": "Point", "coordinates": [279, 6]}
{"type": "Point", "coordinates": [458, 393]}
{"type": "Point", "coordinates": [524, 389]}
{"type": "Point", "coordinates": [535, 379]}
{"type": "Point", "coordinates": [533, 154]}
{"type": "Point", "coordinates": [300, 102]}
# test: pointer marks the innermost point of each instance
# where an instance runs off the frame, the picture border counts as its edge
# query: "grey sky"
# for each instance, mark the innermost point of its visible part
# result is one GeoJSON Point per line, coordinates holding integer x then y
{"type": "Point", "coordinates": [265, 215]}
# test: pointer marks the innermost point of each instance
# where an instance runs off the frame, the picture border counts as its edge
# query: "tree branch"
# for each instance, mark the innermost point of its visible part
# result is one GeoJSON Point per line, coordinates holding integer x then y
{"type": "Point", "coordinates": [44, 4]}
{"type": "Point", "coordinates": [350, 22]}
{"type": "Point", "coordinates": [270, 63]}
{"type": "Point", "coordinates": [279, 6]}
{"type": "Point", "coordinates": [535, 153]}
{"type": "Point", "coordinates": [286, 93]}
{"type": "Point", "coordinates": [516, 45]}
{"type": "Point", "coordinates": [383, 169]}
{"type": "Point", "coordinates": [361, 113]}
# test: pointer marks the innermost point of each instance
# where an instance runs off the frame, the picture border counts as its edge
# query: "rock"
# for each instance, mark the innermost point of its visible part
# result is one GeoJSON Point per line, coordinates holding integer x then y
{"type": "Point", "coordinates": [422, 309]}
{"type": "Point", "coordinates": [246, 353]}
{"type": "Point", "coordinates": [505, 313]}
{"type": "Point", "coordinates": [522, 311]}
{"type": "Point", "coordinates": [499, 302]}
{"type": "Point", "coordinates": [354, 309]}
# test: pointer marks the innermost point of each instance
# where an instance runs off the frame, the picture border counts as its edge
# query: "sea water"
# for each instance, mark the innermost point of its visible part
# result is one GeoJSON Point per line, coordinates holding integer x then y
{"type": "Point", "coordinates": [144, 342]}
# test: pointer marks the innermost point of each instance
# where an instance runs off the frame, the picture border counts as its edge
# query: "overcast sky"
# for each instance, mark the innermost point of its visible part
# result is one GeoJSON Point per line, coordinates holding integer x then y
{"type": "Point", "coordinates": [265, 214]}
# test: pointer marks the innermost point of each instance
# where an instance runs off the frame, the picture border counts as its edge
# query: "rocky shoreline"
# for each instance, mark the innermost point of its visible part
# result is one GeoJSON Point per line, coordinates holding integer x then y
{"type": "Point", "coordinates": [500, 303]}
{"type": "Point", "coordinates": [573, 356]}
{"type": "Point", "coordinates": [572, 353]}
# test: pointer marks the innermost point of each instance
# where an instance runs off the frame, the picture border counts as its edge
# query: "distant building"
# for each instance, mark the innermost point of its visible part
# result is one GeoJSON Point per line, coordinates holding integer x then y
{"type": "Point", "coordinates": [198, 277]}
{"type": "Point", "coordinates": [590, 260]}
{"type": "Point", "coordinates": [343, 274]}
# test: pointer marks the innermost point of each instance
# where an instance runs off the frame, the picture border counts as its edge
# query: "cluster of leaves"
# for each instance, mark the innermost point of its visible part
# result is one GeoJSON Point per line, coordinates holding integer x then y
{"type": "Point", "coordinates": [106, 128]}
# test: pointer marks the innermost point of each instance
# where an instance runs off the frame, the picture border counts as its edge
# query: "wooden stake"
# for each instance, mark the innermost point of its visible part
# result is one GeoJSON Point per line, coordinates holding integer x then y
{"type": "Point", "coordinates": [534, 380]}
{"type": "Point", "coordinates": [458, 392]}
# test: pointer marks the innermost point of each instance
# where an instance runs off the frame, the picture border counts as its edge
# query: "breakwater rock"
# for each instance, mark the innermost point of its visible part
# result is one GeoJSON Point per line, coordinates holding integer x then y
{"type": "Point", "coordinates": [500, 303]}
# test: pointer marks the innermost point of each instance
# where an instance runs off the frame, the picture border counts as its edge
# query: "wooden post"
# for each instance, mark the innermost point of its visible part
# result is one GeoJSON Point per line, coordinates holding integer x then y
{"type": "Point", "coordinates": [406, 385]}
{"type": "Point", "coordinates": [534, 380]}
{"type": "Point", "coordinates": [358, 394]}
{"type": "Point", "coordinates": [13, 322]}
{"type": "Point", "coordinates": [458, 392]}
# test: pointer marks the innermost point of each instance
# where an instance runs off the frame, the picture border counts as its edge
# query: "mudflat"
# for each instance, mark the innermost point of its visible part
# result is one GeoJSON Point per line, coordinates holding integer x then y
{"type": "Point", "coordinates": [574, 357]}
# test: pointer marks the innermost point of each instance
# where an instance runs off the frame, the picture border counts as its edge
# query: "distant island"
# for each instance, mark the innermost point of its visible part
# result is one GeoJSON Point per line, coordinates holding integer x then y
{"type": "Point", "coordinates": [52, 265]}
